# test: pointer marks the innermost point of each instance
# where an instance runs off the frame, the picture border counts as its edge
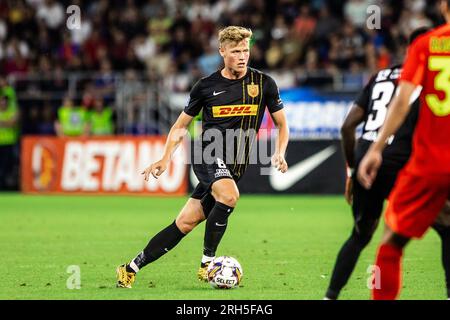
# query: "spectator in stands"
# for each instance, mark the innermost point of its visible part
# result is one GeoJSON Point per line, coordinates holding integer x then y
{"type": "Point", "coordinates": [52, 13]}
{"type": "Point", "coordinates": [355, 11]}
{"type": "Point", "coordinates": [92, 49]}
{"type": "Point", "coordinates": [118, 49]}
{"type": "Point", "coordinates": [9, 136]}
{"type": "Point", "coordinates": [105, 81]}
{"type": "Point", "coordinates": [210, 60]}
{"type": "Point", "coordinates": [161, 38]}
{"type": "Point", "coordinates": [67, 50]}
{"type": "Point", "coordinates": [9, 92]}
{"type": "Point", "coordinates": [101, 119]}
{"type": "Point", "coordinates": [326, 24]}
{"type": "Point", "coordinates": [47, 120]}
{"type": "Point", "coordinates": [72, 120]}
{"type": "Point", "coordinates": [159, 28]}
{"type": "Point", "coordinates": [274, 55]}
{"type": "Point", "coordinates": [304, 24]}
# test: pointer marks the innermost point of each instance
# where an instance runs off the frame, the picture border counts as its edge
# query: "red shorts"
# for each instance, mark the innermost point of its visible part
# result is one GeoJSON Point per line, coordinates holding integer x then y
{"type": "Point", "coordinates": [415, 202]}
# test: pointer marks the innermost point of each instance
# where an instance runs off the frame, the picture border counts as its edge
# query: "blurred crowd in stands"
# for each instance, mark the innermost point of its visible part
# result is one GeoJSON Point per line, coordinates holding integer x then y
{"type": "Point", "coordinates": [123, 45]}
{"type": "Point", "coordinates": [115, 72]}
{"type": "Point", "coordinates": [166, 37]}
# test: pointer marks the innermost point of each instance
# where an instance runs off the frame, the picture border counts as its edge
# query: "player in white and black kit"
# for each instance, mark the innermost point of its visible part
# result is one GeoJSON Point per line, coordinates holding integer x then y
{"type": "Point", "coordinates": [233, 100]}
{"type": "Point", "coordinates": [367, 205]}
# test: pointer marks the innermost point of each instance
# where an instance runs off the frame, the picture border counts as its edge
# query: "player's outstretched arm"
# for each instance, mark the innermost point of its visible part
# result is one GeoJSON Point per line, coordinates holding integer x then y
{"type": "Point", "coordinates": [174, 138]}
{"type": "Point", "coordinates": [397, 112]}
{"type": "Point", "coordinates": [279, 118]}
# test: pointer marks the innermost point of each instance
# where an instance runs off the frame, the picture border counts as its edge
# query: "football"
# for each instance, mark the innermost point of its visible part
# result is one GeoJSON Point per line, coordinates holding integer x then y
{"type": "Point", "coordinates": [224, 273]}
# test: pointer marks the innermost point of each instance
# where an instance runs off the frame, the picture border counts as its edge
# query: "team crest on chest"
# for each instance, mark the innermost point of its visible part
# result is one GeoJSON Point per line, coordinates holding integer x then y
{"type": "Point", "coordinates": [253, 90]}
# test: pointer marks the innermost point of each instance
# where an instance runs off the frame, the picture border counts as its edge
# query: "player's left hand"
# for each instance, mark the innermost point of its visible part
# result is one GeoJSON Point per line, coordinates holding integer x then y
{"type": "Point", "coordinates": [279, 162]}
{"type": "Point", "coordinates": [368, 168]}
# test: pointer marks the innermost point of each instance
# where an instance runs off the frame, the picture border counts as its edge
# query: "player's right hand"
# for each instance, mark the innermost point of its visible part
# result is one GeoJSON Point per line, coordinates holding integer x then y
{"type": "Point", "coordinates": [349, 190]}
{"type": "Point", "coordinates": [155, 169]}
{"type": "Point", "coordinates": [279, 162]}
{"type": "Point", "coordinates": [368, 168]}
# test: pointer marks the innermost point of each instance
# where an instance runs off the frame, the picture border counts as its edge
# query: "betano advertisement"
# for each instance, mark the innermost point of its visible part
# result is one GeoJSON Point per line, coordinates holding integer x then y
{"type": "Point", "coordinates": [99, 166]}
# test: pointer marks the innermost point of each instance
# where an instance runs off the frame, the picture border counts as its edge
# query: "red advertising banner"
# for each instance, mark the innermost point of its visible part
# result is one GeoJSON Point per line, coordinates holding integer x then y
{"type": "Point", "coordinates": [99, 166]}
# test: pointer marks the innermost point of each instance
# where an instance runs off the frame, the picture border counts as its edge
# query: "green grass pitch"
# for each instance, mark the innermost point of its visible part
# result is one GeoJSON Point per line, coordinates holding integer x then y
{"type": "Point", "coordinates": [286, 245]}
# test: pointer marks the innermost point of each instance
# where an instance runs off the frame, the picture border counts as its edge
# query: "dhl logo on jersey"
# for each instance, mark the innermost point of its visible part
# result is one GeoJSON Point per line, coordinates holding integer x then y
{"type": "Point", "coordinates": [235, 110]}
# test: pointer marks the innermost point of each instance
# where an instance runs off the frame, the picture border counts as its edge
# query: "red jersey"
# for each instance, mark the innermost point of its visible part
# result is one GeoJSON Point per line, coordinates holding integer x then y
{"type": "Point", "coordinates": [428, 65]}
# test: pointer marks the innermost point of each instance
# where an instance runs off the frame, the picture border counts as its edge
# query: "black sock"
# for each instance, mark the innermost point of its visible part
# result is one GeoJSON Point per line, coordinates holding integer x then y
{"type": "Point", "coordinates": [446, 259]}
{"type": "Point", "coordinates": [345, 263]}
{"type": "Point", "coordinates": [208, 202]}
{"type": "Point", "coordinates": [159, 245]}
{"type": "Point", "coordinates": [444, 233]}
{"type": "Point", "coordinates": [216, 224]}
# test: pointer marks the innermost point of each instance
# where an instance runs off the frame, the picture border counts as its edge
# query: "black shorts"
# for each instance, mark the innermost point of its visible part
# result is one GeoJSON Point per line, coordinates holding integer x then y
{"type": "Point", "coordinates": [207, 174]}
{"type": "Point", "coordinates": [368, 204]}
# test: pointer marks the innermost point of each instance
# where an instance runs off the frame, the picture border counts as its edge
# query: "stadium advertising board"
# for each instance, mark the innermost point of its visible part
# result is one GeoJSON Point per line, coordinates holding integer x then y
{"type": "Point", "coordinates": [99, 165]}
{"type": "Point", "coordinates": [315, 167]}
{"type": "Point", "coordinates": [313, 114]}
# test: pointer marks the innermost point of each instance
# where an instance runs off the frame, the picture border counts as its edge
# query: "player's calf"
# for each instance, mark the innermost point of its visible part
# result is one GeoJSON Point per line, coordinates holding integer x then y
{"type": "Point", "coordinates": [226, 195]}
{"type": "Point", "coordinates": [388, 260]}
{"type": "Point", "coordinates": [348, 257]}
{"type": "Point", "coordinates": [215, 228]}
{"type": "Point", "coordinates": [190, 216]}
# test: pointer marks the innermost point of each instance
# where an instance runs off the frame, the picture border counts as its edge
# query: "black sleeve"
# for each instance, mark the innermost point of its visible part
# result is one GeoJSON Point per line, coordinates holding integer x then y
{"type": "Point", "coordinates": [364, 96]}
{"type": "Point", "coordinates": [272, 96]}
{"type": "Point", "coordinates": [195, 104]}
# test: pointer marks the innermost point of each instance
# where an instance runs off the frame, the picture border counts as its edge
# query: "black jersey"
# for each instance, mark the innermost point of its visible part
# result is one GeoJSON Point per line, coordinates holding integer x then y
{"type": "Point", "coordinates": [375, 99]}
{"type": "Point", "coordinates": [237, 105]}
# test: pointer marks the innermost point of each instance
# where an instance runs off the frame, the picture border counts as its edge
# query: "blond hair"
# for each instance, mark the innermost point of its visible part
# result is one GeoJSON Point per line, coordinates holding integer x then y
{"type": "Point", "coordinates": [234, 34]}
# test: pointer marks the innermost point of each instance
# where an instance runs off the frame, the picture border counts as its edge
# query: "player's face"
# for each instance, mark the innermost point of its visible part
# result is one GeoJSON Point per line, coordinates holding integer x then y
{"type": "Point", "coordinates": [236, 55]}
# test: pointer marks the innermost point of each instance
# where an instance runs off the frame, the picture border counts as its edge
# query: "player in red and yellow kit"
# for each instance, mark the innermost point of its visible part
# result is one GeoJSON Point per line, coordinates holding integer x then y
{"type": "Point", "coordinates": [423, 186]}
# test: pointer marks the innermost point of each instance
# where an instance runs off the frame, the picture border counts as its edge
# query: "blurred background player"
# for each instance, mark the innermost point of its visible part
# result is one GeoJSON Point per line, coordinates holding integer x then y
{"type": "Point", "coordinates": [233, 98]}
{"type": "Point", "coordinates": [367, 205]}
{"type": "Point", "coordinates": [423, 185]}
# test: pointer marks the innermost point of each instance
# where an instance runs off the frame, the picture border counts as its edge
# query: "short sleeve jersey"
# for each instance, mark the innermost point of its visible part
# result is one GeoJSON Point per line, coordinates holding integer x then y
{"type": "Point", "coordinates": [428, 65]}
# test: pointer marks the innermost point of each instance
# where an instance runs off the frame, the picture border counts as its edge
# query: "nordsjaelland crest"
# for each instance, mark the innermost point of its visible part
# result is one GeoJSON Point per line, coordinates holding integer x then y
{"type": "Point", "coordinates": [253, 90]}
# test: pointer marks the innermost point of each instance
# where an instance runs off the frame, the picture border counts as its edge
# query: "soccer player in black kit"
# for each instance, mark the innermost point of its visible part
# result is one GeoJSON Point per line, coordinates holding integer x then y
{"type": "Point", "coordinates": [367, 205]}
{"type": "Point", "coordinates": [233, 98]}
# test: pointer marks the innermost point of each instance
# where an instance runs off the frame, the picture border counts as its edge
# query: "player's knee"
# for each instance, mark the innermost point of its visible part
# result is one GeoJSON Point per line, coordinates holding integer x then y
{"type": "Point", "coordinates": [230, 198]}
